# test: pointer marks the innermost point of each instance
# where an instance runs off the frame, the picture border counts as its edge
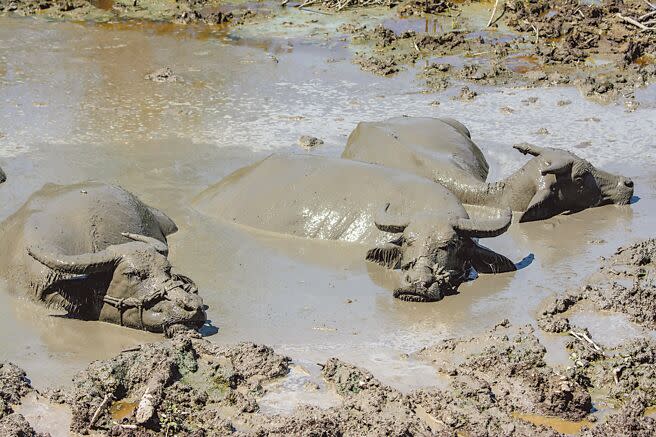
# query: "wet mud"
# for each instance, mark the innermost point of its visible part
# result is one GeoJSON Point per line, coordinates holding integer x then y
{"type": "Point", "coordinates": [78, 108]}
{"type": "Point", "coordinates": [624, 283]}
{"type": "Point", "coordinates": [14, 385]}
{"type": "Point", "coordinates": [605, 49]}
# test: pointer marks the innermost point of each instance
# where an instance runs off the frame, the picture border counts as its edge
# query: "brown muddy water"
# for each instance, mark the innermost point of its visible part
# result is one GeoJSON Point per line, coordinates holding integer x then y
{"type": "Point", "coordinates": [74, 106]}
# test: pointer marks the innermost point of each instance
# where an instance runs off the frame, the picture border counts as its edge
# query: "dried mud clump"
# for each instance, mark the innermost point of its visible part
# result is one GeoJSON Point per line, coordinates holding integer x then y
{"type": "Point", "coordinates": [624, 283]}
{"type": "Point", "coordinates": [184, 385]}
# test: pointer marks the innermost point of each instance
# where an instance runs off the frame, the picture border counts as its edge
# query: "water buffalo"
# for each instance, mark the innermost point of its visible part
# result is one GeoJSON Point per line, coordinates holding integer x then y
{"type": "Point", "coordinates": [428, 147]}
{"type": "Point", "coordinates": [98, 252]}
{"type": "Point", "coordinates": [553, 182]}
{"type": "Point", "coordinates": [3, 176]}
{"type": "Point", "coordinates": [413, 223]}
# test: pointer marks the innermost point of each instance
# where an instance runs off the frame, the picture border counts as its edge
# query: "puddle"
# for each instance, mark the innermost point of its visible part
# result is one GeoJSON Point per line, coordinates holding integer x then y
{"type": "Point", "coordinates": [560, 425]}
{"type": "Point", "coordinates": [303, 386]}
{"type": "Point", "coordinates": [121, 409]}
{"type": "Point", "coordinates": [46, 417]}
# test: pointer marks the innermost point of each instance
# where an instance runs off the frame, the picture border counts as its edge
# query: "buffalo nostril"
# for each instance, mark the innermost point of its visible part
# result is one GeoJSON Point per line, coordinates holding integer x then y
{"type": "Point", "coordinates": [628, 183]}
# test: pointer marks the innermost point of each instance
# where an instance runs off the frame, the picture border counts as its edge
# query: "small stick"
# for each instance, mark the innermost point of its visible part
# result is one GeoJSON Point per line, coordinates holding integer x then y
{"type": "Point", "coordinates": [651, 5]}
{"type": "Point", "coordinates": [314, 11]}
{"type": "Point", "coordinates": [101, 407]}
{"type": "Point", "coordinates": [306, 3]}
{"type": "Point", "coordinates": [494, 11]}
{"type": "Point", "coordinates": [284, 2]}
{"type": "Point", "coordinates": [345, 4]}
{"type": "Point", "coordinates": [634, 22]}
{"type": "Point", "coordinates": [582, 336]}
{"type": "Point", "coordinates": [127, 426]}
{"type": "Point", "coordinates": [537, 33]}
{"type": "Point", "coordinates": [647, 15]}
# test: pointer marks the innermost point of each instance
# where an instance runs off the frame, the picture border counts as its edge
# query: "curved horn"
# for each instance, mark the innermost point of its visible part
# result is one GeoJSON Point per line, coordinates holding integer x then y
{"type": "Point", "coordinates": [528, 149]}
{"type": "Point", "coordinates": [76, 264]}
{"type": "Point", "coordinates": [484, 228]}
{"type": "Point", "coordinates": [159, 246]}
{"type": "Point", "coordinates": [387, 222]}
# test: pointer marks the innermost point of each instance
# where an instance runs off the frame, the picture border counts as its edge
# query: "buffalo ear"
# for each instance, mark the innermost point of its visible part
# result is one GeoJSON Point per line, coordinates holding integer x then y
{"type": "Point", "coordinates": [542, 206]}
{"type": "Point", "coordinates": [388, 255]}
{"type": "Point", "coordinates": [485, 260]}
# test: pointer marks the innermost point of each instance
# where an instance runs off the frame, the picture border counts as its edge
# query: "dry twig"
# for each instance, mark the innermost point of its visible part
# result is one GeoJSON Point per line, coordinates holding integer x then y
{"type": "Point", "coordinates": [100, 408]}
{"type": "Point", "coordinates": [587, 341]}
{"type": "Point", "coordinates": [494, 11]}
{"type": "Point", "coordinates": [635, 23]}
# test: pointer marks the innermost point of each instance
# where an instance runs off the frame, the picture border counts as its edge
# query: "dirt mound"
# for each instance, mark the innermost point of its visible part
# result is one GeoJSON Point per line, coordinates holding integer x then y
{"type": "Point", "coordinates": [620, 372]}
{"type": "Point", "coordinates": [182, 385]}
{"type": "Point", "coordinates": [505, 373]}
{"type": "Point", "coordinates": [15, 425]}
{"type": "Point", "coordinates": [13, 386]}
{"type": "Point", "coordinates": [624, 283]}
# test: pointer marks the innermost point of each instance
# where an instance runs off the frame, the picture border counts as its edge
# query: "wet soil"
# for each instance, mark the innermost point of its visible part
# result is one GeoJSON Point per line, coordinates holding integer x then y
{"type": "Point", "coordinates": [605, 49]}
{"type": "Point", "coordinates": [14, 385]}
{"type": "Point", "coordinates": [77, 107]}
{"type": "Point", "coordinates": [497, 383]}
{"type": "Point", "coordinates": [624, 283]}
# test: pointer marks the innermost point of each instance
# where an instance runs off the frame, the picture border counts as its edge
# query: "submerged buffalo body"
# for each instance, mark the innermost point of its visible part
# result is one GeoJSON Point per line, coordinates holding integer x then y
{"type": "Point", "coordinates": [408, 222]}
{"type": "Point", "coordinates": [98, 252]}
{"type": "Point", "coordinates": [553, 182]}
{"type": "Point", "coordinates": [428, 147]}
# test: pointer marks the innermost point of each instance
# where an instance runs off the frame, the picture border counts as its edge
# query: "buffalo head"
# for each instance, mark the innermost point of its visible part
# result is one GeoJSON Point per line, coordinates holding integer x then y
{"type": "Point", "coordinates": [569, 183]}
{"type": "Point", "coordinates": [142, 291]}
{"type": "Point", "coordinates": [435, 254]}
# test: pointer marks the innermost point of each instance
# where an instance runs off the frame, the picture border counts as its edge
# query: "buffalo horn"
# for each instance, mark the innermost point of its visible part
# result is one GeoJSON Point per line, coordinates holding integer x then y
{"type": "Point", "coordinates": [481, 228]}
{"type": "Point", "coordinates": [388, 222]}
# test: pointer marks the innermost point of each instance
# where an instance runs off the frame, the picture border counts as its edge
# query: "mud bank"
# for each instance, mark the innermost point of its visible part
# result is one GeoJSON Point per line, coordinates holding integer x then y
{"type": "Point", "coordinates": [592, 46]}
{"type": "Point", "coordinates": [605, 49]}
{"type": "Point", "coordinates": [624, 283]}
{"type": "Point", "coordinates": [498, 384]}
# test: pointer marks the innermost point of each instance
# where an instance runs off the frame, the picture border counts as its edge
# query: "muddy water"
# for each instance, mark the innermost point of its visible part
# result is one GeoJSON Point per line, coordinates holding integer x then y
{"type": "Point", "coordinates": [74, 106]}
